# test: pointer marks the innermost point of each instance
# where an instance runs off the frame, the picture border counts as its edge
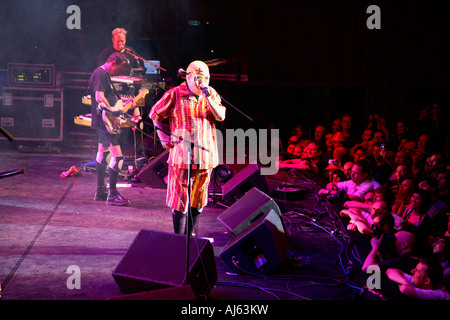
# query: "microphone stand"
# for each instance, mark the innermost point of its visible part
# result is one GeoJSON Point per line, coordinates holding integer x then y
{"type": "Point", "coordinates": [134, 54]}
{"type": "Point", "coordinates": [190, 146]}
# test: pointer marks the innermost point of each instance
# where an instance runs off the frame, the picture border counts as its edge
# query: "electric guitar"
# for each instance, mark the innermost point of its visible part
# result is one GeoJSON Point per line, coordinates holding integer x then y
{"type": "Point", "coordinates": [113, 123]}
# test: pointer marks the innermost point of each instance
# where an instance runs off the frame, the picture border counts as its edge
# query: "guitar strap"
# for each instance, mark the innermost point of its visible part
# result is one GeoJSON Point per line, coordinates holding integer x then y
{"type": "Point", "coordinates": [114, 88]}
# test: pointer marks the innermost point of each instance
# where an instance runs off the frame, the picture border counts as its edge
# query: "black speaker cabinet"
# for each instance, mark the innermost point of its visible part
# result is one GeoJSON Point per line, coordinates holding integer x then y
{"type": "Point", "coordinates": [155, 173]}
{"type": "Point", "coordinates": [258, 249]}
{"type": "Point", "coordinates": [249, 208]}
{"type": "Point", "coordinates": [173, 293]}
{"type": "Point", "coordinates": [156, 260]}
{"type": "Point", "coordinates": [242, 182]}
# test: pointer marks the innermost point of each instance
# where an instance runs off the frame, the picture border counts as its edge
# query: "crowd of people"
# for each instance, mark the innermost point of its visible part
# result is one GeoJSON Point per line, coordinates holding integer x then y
{"type": "Point", "coordinates": [393, 187]}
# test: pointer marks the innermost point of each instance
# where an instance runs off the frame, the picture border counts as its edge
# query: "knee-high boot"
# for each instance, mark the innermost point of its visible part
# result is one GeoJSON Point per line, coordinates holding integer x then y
{"type": "Point", "coordinates": [192, 220]}
{"type": "Point", "coordinates": [178, 219]}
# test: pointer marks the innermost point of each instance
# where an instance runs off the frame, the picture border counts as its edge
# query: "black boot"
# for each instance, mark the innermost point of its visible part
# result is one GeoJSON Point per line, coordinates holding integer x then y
{"type": "Point", "coordinates": [102, 191]}
{"type": "Point", "coordinates": [178, 220]}
{"type": "Point", "coordinates": [192, 220]}
{"type": "Point", "coordinates": [114, 197]}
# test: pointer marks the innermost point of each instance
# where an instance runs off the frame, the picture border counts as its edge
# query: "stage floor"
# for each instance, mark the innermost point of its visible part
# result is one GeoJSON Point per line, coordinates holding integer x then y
{"type": "Point", "coordinates": [49, 223]}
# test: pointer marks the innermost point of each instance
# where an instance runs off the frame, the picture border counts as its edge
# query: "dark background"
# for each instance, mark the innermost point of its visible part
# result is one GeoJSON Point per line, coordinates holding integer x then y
{"type": "Point", "coordinates": [307, 61]}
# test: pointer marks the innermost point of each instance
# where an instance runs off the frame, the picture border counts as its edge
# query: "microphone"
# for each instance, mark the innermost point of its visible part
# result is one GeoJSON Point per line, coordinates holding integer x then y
{"type": "Point", "coordinates": [205, 91]}
{"type": "Point", "coordinates": [182, 74]}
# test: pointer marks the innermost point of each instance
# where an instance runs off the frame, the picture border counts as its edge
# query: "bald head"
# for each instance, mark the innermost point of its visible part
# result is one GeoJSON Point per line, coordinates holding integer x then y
{"type": "Point", "coordinates": [197, 76]}
{"type": "Point", "coordinates": [406, 241]}
{"type": "Point", "coordinates": [198, 67]}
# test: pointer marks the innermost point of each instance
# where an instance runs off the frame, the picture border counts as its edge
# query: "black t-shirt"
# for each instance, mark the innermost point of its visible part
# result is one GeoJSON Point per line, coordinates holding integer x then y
{"type": "Point", "coordinates": [100, 81]}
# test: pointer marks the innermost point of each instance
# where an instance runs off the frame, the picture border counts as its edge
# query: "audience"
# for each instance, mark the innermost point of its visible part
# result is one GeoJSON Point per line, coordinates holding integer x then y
{"type": "Point", "coordinates": [394, 186]}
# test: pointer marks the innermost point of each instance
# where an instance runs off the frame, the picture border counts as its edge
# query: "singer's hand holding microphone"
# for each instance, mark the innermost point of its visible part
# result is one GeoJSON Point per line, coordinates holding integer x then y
{"type": "Point", "coordinates": [205, 90]}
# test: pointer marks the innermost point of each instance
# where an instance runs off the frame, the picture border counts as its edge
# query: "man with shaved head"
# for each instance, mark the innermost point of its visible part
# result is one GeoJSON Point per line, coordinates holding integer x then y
{"type": "Point", "coordinates": [192, 109]}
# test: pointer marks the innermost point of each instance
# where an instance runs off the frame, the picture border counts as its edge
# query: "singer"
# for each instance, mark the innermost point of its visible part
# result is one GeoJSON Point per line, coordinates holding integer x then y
{"type": "Point", "coordinates": [102, 90]}
{"type": "Point", "coordinates": [192, 109]}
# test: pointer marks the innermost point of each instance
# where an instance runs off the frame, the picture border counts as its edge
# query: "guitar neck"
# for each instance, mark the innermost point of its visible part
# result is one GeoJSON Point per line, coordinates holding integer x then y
{"type": "Point", "coordinates": [128, 104]}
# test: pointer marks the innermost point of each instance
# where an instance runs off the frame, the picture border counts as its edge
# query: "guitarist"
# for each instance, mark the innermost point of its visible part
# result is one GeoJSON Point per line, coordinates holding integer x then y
{"type": "Point", "coordinates": [103, 91]}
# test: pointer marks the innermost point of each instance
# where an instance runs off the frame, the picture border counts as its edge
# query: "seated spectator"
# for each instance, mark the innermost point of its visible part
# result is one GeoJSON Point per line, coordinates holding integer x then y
{"type": "Point", "coordinates": [365, 138]}
{"type": "Point", "coordinates": [338, 140]}
{"type": "Point", "coordinates": [336, 125]}
{"type": "Point", "coordinates": [350, 136]}
{"type": "Point", "coordinates": [338, 176]}
{"type": "Point", "coordinates": [348, 169]}
{"type": "Point", "coordinates": [358, 153]}
{"type": "Point", "coordinates": [401, 133]}
{"type": "Point", "coordinates": [299, 134]}
{"type": "Point", "coordinates": [424, 283]}
{"type": "Point", "coordinates": [340, 156]}
{"type": "Point", "coordinates": [401, 173]}
{"type": "Point", "coordinates": [441, 250]}
{"type": "Point", "coordinates": [402, 157]}
{"type": "Point", "coordinates": [443, 186]}
{"type": "Point", "coordinates": [417, 220]}
{"type": "Point", "coordinates": [408, 146]}
{"type": "Point", "coordinates": [424, 143]}
{"type": "Point", "coordinates": [405, 260]}
{"type": "Point", "coordinates": [319, 135]}
{"type": "Point", "coordinates": [328, 154]}
{"type": "Point", "coordinates": [384, 197]}
{"type": "Point", "coordinates": [419, 159]}
{"type": "Point", "coordinates": [357, 187]}
{"type": "Point", "coordinates": [381, 170]}
{"type": "Point", "coordinates": [378, 220]}
{"type": "Point", "coordinates": [438, 209]}
{"type": "Point", "coordinates": [311, 160]}
{"type": "Point", "coordinates": [403, 198]}
{"type": "Point", "coordinates": [435, 165]}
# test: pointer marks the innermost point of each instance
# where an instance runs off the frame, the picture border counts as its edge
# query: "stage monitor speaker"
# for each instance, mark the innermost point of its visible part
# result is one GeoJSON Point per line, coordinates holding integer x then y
{"type": "Point", "coordinates": [242, 182]}
{"type": "Point", "coordinates": [249, 208]}
{"type": "Point", "coordinates": [155, 173]}
{"type": "Point", "coordinates": [258, 249]}
{"type": "Point", "coordinates": [173, 293]}
{"type": "Point", "coordinates": [156, 260]}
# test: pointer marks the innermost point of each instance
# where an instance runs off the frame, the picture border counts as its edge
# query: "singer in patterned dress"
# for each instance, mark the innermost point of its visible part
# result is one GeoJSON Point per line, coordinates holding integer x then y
{"type": "Point", "coordinates": [192, 109]}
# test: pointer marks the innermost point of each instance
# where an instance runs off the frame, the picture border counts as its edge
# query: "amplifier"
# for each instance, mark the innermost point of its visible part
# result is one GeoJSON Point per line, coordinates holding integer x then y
{"type": "Point", "coordinates": [32, 114]}
{"type": "Point", "coordinates": [31, 75]}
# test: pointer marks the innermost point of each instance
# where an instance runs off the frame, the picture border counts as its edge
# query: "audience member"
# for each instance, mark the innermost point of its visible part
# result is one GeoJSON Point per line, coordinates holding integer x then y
{"type": "Point", "coordinates": [401, 133]}
{"type": "Point", "coordinates": [348, 131]}
{"type": "Point", "coordinates": [424, 283]}
{"type": "Point", "coordinates": [336, 125]}
{"type": "Point", "coordinates": [401, 173]}
{"type": "Point", "coordinates": [441, 250]}
{"type": "Point", "coordinates": [311, 160]}
{"type": "Point", "coordinates": [419, 159]}
{"type": "Point", "coordinates": [404, 260]}
{"type": "Point", "coordinates": [357, 187]}
{"type": "Point", "coordinates": [319, 135]}
{"type": "Point", "coordinates": [435, 165]}
{"type": "Point", "coordinates": [438, 209]}
{"type": "Point", "coordinates": [403, 198]}
{"type": "Point", "coordinates": [381, 169]}
{"type": "Point", "coordinates": [299, 134]}
{"type": "Point", "coordinates": [443, 186]}
{"type": "Point", "coordinates": [358, 153]}
{"type": "Point", "coordinates": [348, 169]}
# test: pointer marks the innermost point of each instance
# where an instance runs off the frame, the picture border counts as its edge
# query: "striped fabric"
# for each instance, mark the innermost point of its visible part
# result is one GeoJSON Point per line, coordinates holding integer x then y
{"type": "Point", "coordinates": [193, 121]}
{"type": "Point", "coordinates": [177, 193]}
